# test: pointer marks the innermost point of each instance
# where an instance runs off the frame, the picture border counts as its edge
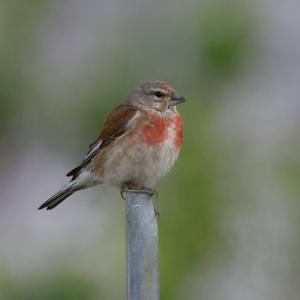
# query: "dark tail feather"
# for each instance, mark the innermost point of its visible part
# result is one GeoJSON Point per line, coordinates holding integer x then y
{"type": "Point", "coordinates": [59, 197]}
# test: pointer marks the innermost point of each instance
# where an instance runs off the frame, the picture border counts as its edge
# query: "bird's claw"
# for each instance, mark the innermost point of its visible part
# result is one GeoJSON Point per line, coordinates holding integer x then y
{"type": "Point", "coordinates": [125, 189]}
{"type": "Point", "coordinates": [145, 191]}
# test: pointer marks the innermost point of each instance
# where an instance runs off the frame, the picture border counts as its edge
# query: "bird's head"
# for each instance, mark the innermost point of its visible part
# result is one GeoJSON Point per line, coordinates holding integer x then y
{"type": "Point", "coordinates": [157, 95]}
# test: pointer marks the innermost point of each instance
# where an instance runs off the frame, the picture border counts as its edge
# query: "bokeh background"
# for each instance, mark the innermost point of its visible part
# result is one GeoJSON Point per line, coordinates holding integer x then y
{"type": "Point", "coordinates": [229, 210]}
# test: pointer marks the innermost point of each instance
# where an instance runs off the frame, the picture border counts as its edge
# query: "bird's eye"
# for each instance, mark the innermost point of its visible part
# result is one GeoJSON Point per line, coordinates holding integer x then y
{"type": "Point", "coordinates": [158, 94]}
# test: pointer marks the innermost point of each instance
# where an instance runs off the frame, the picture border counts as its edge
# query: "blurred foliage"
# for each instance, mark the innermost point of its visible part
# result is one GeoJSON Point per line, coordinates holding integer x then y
{"type": "Point", "coordinates": [56, 285]}
{"type": "Point", "coordinates": [17, 33]}
{"type": "Point", "coordinates": [224, 35]}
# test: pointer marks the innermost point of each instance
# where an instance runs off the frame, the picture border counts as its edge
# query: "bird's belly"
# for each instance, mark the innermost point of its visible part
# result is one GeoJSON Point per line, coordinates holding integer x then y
{"type": "Point", "coordinates": [139, 164]}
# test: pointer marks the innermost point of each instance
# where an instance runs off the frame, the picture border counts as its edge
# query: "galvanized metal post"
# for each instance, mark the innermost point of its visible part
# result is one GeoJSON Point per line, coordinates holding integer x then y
{"type": "Point", "coordinates": [142, 247]}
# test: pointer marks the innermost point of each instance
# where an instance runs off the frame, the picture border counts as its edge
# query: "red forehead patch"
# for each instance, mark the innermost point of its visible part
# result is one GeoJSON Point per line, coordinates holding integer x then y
{"type": "Point", "coordinates": [164, 86]}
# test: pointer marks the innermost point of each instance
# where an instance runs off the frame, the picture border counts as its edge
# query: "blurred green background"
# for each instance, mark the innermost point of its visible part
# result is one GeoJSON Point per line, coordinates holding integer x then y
{"type": "Point", "coordinates": [229, 210]}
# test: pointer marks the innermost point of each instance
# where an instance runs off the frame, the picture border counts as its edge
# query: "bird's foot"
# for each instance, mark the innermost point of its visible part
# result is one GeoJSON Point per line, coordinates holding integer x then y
{"type": "Point", "coordinates": [156, 212]}
{"type": "Point", "coordinates": [125, 188]}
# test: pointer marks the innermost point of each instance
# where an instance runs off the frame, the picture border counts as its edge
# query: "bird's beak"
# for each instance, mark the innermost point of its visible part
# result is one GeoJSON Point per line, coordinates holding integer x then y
{"type": "Point", "coordinates": [176, 99]}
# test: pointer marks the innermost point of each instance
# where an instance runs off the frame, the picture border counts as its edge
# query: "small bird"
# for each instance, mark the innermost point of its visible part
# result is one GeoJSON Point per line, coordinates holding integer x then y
{"type": "Point", "coordinates": [138, 144]}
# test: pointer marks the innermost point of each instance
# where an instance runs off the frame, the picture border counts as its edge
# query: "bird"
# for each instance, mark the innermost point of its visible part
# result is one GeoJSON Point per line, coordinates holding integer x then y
{"type": "Point", "coordinates": [138, 144]}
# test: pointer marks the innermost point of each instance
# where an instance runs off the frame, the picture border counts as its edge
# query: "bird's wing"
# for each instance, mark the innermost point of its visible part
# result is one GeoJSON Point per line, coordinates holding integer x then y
{"type": "Point", "coordinates": [115, 125]}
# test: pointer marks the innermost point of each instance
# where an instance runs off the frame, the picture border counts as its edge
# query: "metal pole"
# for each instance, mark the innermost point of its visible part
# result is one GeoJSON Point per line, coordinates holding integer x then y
{"type": "Point", "coordinates": [142, 247]}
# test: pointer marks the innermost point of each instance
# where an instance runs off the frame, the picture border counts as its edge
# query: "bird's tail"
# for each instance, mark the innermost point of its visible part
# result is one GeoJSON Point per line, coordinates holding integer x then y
{"type": "Point", "coordinates": [60, 196]}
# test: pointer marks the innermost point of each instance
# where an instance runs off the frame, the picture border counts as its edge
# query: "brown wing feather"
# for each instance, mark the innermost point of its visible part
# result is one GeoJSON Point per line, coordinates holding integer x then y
{"type": "Point", "coordinates": [114, 126]}
{"type": "Point", "coordinates": [117, 120]}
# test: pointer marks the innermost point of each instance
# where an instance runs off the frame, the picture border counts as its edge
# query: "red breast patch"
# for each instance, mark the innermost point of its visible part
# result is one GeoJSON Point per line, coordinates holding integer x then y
{"type": "Point", "coordinates": [156, 131]}
{"type": "Point", "coordinates": [179, 131]}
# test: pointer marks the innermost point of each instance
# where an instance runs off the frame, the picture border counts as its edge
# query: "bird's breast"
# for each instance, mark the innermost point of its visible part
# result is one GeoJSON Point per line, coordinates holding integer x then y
{"type": "Point", "coordinates": [145, 154]}
{"type": "Point", "coordinates": [178, 129]}
{"type": "Point", "coordinates": [160, 130]}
